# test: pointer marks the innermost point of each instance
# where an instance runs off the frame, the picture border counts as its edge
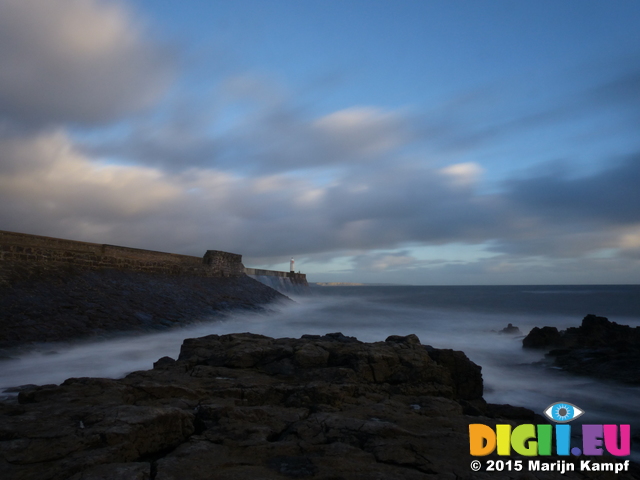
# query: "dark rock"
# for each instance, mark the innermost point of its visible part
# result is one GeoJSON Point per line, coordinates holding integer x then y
{"type": "Point", "coordinates": [544, 337]}
{"type": "Point", "coordinates": [246, 406]}
{"type": "Point", "coordinates": [598, 348]}
{"type": "Point", "coordinates": [523, 415]}
{"type": "Point", "coordinates": [410, 339]}
{"type": "Point", "coordinates": [294, 467]}
{"type": "Point", "coordinates": [338, 336]}
{"type": "Point", "coordinates": [164, 362]}
{"type": "Point", "coordinates": [511, 330]}
{"type": "Point", "coordinates": [466, 375]}
{"type": "Point", "coordinates": [111, 471]}
{"type": "Point", "coordinates": [19, 388]}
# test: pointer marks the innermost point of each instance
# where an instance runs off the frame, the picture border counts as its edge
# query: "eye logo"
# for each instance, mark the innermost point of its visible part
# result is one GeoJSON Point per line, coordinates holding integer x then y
{"type": "Point", "coordinates": [562, 412]}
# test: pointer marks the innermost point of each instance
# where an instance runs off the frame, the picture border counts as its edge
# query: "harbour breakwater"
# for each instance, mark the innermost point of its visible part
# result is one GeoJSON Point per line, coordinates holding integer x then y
{"type": "Point", "coordinates": [23, 256]}
{"type": "Point", "coordinates": [54, 289]}
{"type": "Point", "coordinates": [284, 282]}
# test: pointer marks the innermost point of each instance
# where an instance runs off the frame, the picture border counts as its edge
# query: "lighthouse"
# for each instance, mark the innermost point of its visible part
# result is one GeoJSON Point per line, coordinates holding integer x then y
{"type": "Point", "coordinates": [291, 265]}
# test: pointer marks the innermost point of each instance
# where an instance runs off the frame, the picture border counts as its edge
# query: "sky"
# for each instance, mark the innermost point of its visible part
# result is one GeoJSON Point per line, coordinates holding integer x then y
{"type": "Point", "coordinates": [410, 142]}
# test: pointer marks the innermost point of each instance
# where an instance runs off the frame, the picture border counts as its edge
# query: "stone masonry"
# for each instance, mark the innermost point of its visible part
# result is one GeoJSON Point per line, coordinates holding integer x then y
{"type": "Point", "coordinates": [26, 256]}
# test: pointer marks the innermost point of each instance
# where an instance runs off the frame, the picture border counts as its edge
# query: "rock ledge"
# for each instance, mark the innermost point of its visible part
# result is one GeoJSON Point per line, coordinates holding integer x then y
{"type": "Point", "coordinates": [598, 348]}
{"type": "Point", "coordinates": [245, 406]}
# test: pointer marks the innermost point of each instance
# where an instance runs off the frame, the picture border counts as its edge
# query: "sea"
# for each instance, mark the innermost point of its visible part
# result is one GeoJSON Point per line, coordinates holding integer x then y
{"type": "Point", "coordinates": [467, 318]}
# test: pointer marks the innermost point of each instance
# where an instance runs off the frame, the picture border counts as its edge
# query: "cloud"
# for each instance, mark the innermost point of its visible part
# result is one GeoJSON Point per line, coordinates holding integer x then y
{"type": "Point", "coordinates": [610, 196]}
{"type": "Point", "coordinates": [47, 184]}
{"type": "Point", "coordinates": [571, 110]}
{"type": "Point", "coordinates": [623, 87]}
{"type": "Point", "coordinates": [175, 143]}
{"type": "Point", "coordinates": [75, 61]}
{"type": "Point", "coordinates": [252, 126]}
{"type": "Point", "coordinates": [363, 131]}
{"type": "Point", "coordinates": [463, 174]}
{"type": "Point", "coordinates": [629, 243]}
{"type": "Point", "coordinates": [284, 138]}
{"type": "Point", "coordinates": [383, 261]}
{"type": "Point", "coordinates": [50, 185]}
{"type": "Point", "coordinates": [524, 269]}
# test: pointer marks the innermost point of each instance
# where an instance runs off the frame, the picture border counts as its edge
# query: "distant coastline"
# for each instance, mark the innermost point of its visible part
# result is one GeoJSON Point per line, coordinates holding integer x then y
{"type": "Point", "coordinates": [350, 284]}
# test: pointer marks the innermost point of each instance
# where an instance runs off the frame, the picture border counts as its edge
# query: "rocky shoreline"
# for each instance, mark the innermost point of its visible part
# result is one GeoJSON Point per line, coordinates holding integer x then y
{"type": "Point", "coordinates": [77, 304]}
{"type": "Point", "coordinates": [598, 348]}
{"type": "Point", "coordinates": [246, 406]}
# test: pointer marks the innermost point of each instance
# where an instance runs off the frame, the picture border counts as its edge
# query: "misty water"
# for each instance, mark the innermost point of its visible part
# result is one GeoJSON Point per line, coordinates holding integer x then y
{"type": "Point", "coordinates": [462, 318]}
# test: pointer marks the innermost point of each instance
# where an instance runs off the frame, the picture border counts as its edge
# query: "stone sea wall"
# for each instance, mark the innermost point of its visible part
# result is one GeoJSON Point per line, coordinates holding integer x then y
{"type": "Point", "coordinates": [23, 255]}
{"type": "Point", "coordinates": [98, 304]}
{"type": "Point", "coordinates": [284, 285]}
{"type": "Point", "coordinates": [291, 277]}
{"type": "Point", "coordinates": [285, 282]}
{"type": "Point", "coordinates": [55, 290]}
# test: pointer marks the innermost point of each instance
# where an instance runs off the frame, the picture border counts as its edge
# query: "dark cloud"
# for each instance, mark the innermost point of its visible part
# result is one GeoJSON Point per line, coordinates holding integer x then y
{"type": "Point", "coordinates": [173, 145]}
{"type": "Point", "coordinates": [384, 261]}
{"type": "Point", "coordinates": [512, 269]}
{"type": "Point", "coordinates": [608, 197]}
{"type": "Point", "coordinates": [622, 88]}
{"type": "Point", "coordinates": [289, 215]}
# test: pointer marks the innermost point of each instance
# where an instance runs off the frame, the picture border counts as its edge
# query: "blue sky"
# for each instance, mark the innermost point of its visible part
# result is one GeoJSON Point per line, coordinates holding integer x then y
{"type": "Point", "coordinates": [418, 142]}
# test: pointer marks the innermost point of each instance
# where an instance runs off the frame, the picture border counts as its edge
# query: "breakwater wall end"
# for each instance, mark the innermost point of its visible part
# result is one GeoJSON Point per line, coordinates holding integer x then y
{"type": "Point", "coordinates": [24, 255]}
{"type": "Point", "coordinates": [283, 285]}
{"type": "Point", "coordinates": [295, 278]}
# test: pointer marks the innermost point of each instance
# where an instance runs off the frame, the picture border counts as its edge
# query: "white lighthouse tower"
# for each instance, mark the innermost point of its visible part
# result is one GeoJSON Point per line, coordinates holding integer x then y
{"type": "Point", "coordinates": [291, 263]}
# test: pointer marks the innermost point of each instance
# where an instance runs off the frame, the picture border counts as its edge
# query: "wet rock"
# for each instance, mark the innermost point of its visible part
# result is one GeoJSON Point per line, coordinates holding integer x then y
{"type": "Point", "coordinates": [246, 406]}
{"type": "Point", "coordinates": [510, 330]}
{"type": "Point", "coordinates": [410, 339]}
{"type": "Point", "coordinates": [466, 375]}
{"type": "Point", "coordinates": [164, 362]}
{"type": "Point", "coordinates": [598, 348]}
{"type": "Point", "coordinates": [544, 337]}
{"type": "Point", "coordinates": [111, 471]}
